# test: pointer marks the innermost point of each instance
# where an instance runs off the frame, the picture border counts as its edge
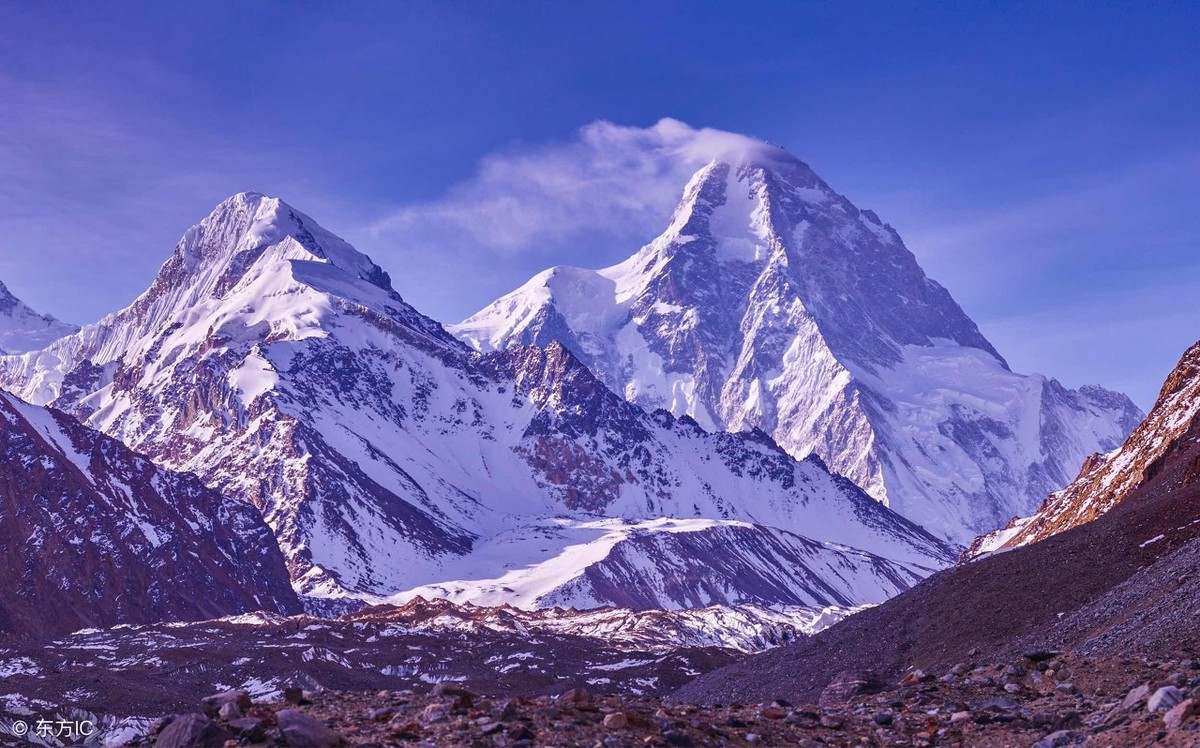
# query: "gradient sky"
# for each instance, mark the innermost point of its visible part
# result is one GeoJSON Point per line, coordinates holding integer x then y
{"type": "Point", "coordinates": [1041, 160]}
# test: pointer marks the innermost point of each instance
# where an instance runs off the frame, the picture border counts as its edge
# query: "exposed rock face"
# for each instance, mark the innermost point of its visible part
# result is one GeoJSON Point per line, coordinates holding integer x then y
{"type": "Point", "coordinates": [22, 329]}
{"type": "Point", "coordinates": [277, 363]}
{"type": "Point", "coordinates": [1172, 426]}
{"type": "Point", "coordinates": [772, 303]}
{"type": "Point", "coordinates": [95, 535]}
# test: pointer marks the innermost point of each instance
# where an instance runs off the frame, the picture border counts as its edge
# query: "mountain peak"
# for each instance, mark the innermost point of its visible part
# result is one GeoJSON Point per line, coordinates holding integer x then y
{"type": "Point", "coordinates": [22, 329]}
{"type": "Point", "coordinates": [253, 266]}
{"type": "Point", "coordinates": [771, 301]}
{"type": "Point", "coordinates": [240, 229]}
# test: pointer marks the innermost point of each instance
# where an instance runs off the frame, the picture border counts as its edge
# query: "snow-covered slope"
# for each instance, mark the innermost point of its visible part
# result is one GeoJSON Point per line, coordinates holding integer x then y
{"type": "Point", "coordinates": [771, 302]}
{"type": "Point", "coordinates": [276, 362]}
{"type": "Point", "coordinates": [22, 329]}
{"type": "Point", "coordinates": [666, 563]}
{"type": "Point", "coordinates": [1105, 480]}
{"type": "Point", "coordinates": [94, 535]}
{"type": "Point", "coordinates": [746, 628]}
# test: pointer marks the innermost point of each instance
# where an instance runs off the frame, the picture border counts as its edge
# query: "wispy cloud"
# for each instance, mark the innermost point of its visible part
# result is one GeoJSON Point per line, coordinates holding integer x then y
{"type": "Point", "coordinates": [612, 183]}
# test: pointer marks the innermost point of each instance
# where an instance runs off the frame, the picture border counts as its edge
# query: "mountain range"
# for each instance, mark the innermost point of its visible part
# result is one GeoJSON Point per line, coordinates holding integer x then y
{"type": "Point", "coordinates": [769, 404]}
{"type": "Point", "coordinates": [277, 363]}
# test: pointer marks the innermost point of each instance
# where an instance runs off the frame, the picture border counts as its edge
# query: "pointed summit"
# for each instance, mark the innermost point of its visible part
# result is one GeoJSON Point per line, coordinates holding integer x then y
{"type": "Point", "coordinates": [771, 302]}
{"type": "Point", "coordinates": [253, 264]}
{"type": "Point", "coordinates": [248, 228]}
{"type": "Point", "coordinates": [22, 329]}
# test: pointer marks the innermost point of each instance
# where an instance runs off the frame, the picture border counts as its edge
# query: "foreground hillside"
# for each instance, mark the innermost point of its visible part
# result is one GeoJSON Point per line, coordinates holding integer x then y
{"type": "Point", "coordinates": [1121, 585]}
{"type": "Point", "coordinates": [1107, 479]}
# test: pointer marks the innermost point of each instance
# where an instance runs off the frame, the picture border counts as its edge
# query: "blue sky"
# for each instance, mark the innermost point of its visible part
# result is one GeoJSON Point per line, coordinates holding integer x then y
{"type": "Point", "coordinates": [1042, 160]}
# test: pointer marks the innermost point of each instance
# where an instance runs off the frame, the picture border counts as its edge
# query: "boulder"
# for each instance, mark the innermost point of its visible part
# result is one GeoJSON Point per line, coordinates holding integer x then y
{"type": "Point", "coordinates": [192, 731]}
{"type": "Point", "coordinates": [848, 684]}
{"type": "Point", "coordinates": [302, 731]}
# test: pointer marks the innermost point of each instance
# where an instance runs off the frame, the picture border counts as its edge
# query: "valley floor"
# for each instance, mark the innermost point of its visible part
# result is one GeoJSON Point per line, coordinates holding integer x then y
{"type": "Point", "coordinates": [1043, 700]}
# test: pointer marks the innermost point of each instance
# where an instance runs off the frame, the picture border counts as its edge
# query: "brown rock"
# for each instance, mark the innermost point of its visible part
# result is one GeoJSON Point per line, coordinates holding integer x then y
{"type": "Point", "coordinates": [212, 704]}
{"type": "Point", "coordinates": [230, 711]}
{"type": "Point", "coordinates": [302, 731]}
{"type": "Point", "coordinates": [848, 684]}
{"type": "Point", "coordinates": [250, 728]}
{"type": "Point", "coordinates": [192, 731]}
{"type": "Point", "coordinates": [616, 721]}
{"type": "Point", "coordinates": [576, 696]}
{"type": "Point", "coordinates": [1179, 714]}
{"type": "Point", "coordinates": [831, 722]}
{"type": "Point", "coordinates": [1164, 699]}
{"type": "Point", "coordinates": [435, 713]}
{"type": "Point", "coordinates": [1141, 693]}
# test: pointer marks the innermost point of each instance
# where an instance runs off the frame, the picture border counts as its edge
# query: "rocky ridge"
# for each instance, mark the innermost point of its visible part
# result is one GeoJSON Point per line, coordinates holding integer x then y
{"type": "Point", "coordinates": [1105, 480]}
{"type": "Point", "coordinates": [1120, 585]}
{"type": "Point", "coordinates": [95, 535]}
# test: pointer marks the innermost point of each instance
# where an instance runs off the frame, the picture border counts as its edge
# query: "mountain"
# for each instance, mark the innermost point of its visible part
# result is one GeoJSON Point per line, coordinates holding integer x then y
{"type": "Point", "coordinates": [1120, 587]}
{"type": "Point", "coordinates": [771, 302]}
{"type": "Point", "coordinates": [278, 364]}
{"type": "Point", "coordinates": [22, 329]}
{"type": "Point", "coordinates": [1106, 480]}
{"type": "Point", "coordinates": [95, 535]}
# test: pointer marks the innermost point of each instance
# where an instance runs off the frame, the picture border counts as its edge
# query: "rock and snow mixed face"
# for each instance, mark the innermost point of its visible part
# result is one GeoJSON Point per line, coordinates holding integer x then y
{"type": "Point", "coordinates": [95, 535]}
{"type": "Point", "coordinates": [277, 363]}
{"type": "Point", "coordinates": [22, 329]}
{"type": "Point", "coordinates": [772, 303]}
{"type": "Point", "coordinates": [1105, 480]}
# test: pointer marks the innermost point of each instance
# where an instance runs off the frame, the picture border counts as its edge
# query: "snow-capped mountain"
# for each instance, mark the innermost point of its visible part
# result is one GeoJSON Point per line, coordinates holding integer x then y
{"type": "Point", "coordinates": [277, 363]}
{"type": "Point", "coordinates": [22, 329]}
{"type": "Point", "coordinates": [771, 302]}
{"type": "Point", "coordinates": [95, 535]}
{"type": "Point", "coordinates": [1172, 427]}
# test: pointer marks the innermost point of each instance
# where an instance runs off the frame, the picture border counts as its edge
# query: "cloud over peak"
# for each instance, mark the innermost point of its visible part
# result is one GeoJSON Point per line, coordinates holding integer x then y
{"type": "Point", "coordinates": [612, 185]}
